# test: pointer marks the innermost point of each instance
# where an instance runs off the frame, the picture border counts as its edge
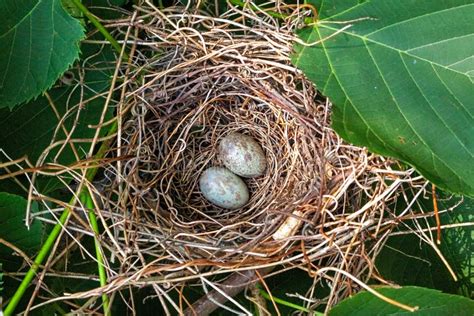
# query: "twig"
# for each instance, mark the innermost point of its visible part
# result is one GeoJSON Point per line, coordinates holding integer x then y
{"type": "Point", "coordinates": [436, 213]}
{"type": "Point", "coordinates": [100, 27]}
{"type": "Point", "coordinates": [236, 283]}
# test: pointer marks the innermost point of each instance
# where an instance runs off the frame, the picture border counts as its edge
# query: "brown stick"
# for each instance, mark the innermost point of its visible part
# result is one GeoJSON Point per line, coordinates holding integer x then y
{"type": "Point", "coordinates": [237, 282]}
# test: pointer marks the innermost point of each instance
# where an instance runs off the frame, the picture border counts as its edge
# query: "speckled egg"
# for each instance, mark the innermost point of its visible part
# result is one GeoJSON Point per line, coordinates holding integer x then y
{"type": "Point", "coordinates": [242, 155]}
{"type": "Point", "coordinates": [223, 188]}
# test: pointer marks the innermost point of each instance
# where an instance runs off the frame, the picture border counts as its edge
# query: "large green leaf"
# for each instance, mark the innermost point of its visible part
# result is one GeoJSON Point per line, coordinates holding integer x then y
{"type": "Point", "coordinates": [38, 42]}
{"type": "Point", "coordinates": [14, 231]}
{"type": "Point", "coordinates": [429, 302]}
{"type": "Point", "coordinates": [406, 260]}
{"type": "Point", "coordinates": [400, 76]}
{"type": "Point", "coordinates": [28, 129]}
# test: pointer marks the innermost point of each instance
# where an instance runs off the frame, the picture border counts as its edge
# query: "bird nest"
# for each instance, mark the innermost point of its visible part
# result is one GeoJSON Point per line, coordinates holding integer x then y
{"type": "Point", "coordinates": [209, 81]}
{"type": "Point", "coordinates": [322, 205]}
{"type": "Point", "coordinates": [199, 103]}
{"type": "Point", "coordinates": [202, 78]}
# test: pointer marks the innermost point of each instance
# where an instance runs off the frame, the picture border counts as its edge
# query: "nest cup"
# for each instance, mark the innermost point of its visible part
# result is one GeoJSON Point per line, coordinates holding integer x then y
{"type": "Point", "coordinates": [196, 79]}
{"type": "Point", "coordinates": [186, 143]}
{"type": "Point", "coordinates": [182, 133]}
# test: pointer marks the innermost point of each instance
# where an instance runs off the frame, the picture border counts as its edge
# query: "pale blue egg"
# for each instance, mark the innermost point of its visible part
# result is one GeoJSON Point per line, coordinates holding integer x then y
{"type": "Point", "coordinates": [223, 188]}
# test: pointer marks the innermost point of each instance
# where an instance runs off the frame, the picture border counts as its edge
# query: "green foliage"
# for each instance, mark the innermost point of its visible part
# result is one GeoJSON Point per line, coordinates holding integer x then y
{"type": "Point", "coordinates": [106, 9]}
{"type": "Point", "coordinates": [406, 260]}
{"type": "Point", "coordinates": [429, 302]}
{"type": "Point", "coordinates": [283, 286]}
{"type": "Point", "coordinates": [14, 231]}
{"type": "Point", "coordinates": [39, 41]}
{"type": "Point", "coordinates": [400, 76]}
{"type": "Point", "coordinates": [292, 282]}
{"type": "Point", "coordinates": [73, 104]}
{"type": "Point", "coordinates": [69, 6]}
{"type": "Point", "coordinates": [91, 4]}
{"type": "Point", "coordinates": [458, 246]}
{"type": "Point", "coordinates": [28, 129]}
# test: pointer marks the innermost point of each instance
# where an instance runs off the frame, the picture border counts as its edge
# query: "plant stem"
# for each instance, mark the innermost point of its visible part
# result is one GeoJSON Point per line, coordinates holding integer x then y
{"type": "Point", "coordinates": [90, 174]}
{"type": "Point", "coordinates": [38, 261]}
{"type": "Point", "coordinates": [98, 253]}
{"type": "Point", "coordinates": [59, 309]}
{"type": "Point", "coordinates": [100, 27]}
{"type": "Point", "coordinates": [160, 4]}
{"type": "Point", "coordinates": [286, 303]}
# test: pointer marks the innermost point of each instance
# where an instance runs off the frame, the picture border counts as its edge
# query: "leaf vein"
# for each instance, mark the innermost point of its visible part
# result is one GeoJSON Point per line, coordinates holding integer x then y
{"type": "Point", "coordinates": [433, 109]}
{"type": "Point", "coordinates": [346, 94]}
{"type": "Point", "coordinates": [23, 18]}
{"type": "Point", "coordinates": [418, 17]}
{"type": "Point", "coordinates": [401, 112]}
{"type": "Point", "coordinates": [451, 92]}
{"type": "Point", "coordinates": [363, 38]}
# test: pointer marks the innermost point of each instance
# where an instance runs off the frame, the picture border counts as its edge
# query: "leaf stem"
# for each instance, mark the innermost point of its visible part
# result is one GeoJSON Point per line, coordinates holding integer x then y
{"type": "Point", "coordinates": [289, 304]}
{"type": "Point", "coordinates": [160, 4]}
{"type": "Point", "coordinates": [98, 253]}
{"type": "Point", "coordinates": [100, 27]}
{"type": "Point", "coordinates": [436, 213]}
{"type": "Point", "coordinates": [44, 251]}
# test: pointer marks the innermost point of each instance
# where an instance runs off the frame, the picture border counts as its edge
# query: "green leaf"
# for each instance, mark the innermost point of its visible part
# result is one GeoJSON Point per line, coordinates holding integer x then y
{"type": "Point", "coordinates": [28, 129]}
{"type": "Point", "coordinates": [39, 41]}
{"type": "Point", "coordinates": [429, 302]}
{"type": "Point", "coordinates": [406, 260]}
{"type": "Point", "coordinates": [458, 246]}
{"type": "Point", "coordinates": [14, 231]}
{"type": "Point", "coordinates": [400, 75]}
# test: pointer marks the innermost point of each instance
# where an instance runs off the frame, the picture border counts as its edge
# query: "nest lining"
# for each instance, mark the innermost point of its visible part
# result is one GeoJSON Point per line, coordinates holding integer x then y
{"type": "Point", "coordinates": [187, 144]}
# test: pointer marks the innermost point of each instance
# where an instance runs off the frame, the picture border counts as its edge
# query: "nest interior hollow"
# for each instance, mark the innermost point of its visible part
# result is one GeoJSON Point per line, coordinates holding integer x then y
{"type": "Point", "coordinates": [182, 137]}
